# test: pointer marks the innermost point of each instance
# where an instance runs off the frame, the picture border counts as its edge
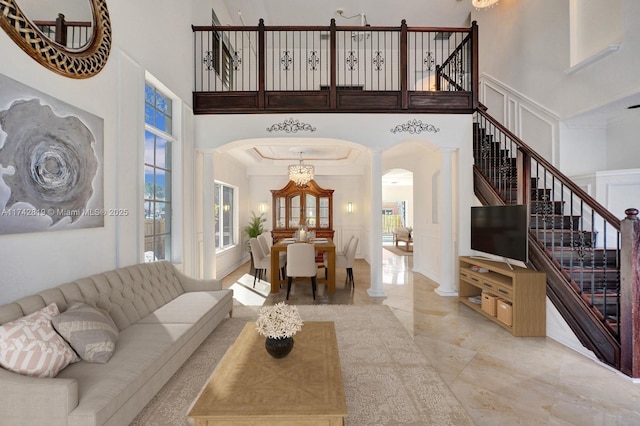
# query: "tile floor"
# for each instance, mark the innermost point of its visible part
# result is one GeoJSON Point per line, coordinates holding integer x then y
{"type": "Point", "coordinates": [498, 378]}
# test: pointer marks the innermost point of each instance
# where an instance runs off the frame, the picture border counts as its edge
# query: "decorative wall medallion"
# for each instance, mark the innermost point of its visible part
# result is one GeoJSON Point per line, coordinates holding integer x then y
{"type": "Point", "coordinates": [51, 163]}
{"type": "Point", "coordinates": [414, 127]}
{"type": "Point", "coordinates": [291, 126]}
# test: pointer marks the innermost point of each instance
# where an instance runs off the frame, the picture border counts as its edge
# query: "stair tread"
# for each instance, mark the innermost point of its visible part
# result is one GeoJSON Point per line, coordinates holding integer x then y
{"type": "Point", "coordinates": [591, 272]}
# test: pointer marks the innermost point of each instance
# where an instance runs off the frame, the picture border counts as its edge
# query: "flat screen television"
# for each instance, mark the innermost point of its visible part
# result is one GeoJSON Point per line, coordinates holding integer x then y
{"type": "Point", "coordinates": [501, 230]}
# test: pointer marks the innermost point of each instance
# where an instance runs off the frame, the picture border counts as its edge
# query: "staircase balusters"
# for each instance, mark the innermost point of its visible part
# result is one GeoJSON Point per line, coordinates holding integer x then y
{"type": "Point", "coordinates": [580, 238]}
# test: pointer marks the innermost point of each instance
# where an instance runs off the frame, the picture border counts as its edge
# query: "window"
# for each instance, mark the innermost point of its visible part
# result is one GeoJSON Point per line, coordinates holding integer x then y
{"type": "Point", "coordinates": [223, 214]}
{"type": "Point", "coordinates": [157, 174]}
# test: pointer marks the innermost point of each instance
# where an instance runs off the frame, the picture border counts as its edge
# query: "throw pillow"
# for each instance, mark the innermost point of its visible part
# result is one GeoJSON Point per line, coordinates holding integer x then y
{"type": "Point", "coordinates": [30, 345]}
{"type": "Point", "coordinates": [90, 332]}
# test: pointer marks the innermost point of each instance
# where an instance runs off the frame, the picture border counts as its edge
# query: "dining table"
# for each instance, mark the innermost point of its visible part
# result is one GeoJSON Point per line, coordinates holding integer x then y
{"type": "Point", "coordinates": [325, 245]}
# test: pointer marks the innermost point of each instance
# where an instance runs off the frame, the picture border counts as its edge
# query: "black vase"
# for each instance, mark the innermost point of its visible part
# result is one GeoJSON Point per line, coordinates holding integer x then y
{"type": "Point", "coordinates": [279, 348]}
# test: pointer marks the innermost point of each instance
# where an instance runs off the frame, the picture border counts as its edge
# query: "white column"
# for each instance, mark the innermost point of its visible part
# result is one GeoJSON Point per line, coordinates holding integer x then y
{"type": "Point", "coordinates": [447, 215]}
{"type": "Point", "coordinates": [375, 234]}
{"type": "Point", "coordinates": [208, 233]}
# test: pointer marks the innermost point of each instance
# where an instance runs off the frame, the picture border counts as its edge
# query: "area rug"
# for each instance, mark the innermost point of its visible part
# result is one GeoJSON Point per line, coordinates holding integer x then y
{"type": "Point", "coordinates": [387, 380]}
{"type": "Point", "coordinates": [398, 251]}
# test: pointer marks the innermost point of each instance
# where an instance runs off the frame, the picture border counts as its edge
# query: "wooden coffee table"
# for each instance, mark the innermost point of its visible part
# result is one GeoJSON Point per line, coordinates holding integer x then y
{"type": "Point", "coordinates": [249, 387]}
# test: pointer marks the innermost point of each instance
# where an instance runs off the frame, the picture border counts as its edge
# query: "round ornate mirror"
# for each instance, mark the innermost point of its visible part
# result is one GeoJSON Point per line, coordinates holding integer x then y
{"type": "Point", "coordinates": [76, 47]}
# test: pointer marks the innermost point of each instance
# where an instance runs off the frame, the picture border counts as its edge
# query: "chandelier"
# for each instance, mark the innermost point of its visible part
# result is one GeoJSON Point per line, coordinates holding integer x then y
{"type": "Point", "coordinates": [482, 4]}
{"type": "Point", "coordinates": [300, 173]}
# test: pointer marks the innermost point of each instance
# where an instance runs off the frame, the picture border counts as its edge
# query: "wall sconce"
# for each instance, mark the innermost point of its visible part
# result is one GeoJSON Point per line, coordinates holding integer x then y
{"type": "Point", "coordinates": [263, 207]}
{"type": "Point", "coordinates": [350, 207]}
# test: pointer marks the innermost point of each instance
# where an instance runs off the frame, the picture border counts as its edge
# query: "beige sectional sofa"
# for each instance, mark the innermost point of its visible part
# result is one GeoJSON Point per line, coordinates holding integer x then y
{"type": "Point", "coordinates": [162, 317]}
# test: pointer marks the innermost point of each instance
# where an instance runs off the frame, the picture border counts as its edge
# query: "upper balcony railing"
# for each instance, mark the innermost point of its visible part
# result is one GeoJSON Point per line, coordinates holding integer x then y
{"type": "Point", "coordinates": [71, 34]}
{"type": "Point", "coordinates": [335, 69]}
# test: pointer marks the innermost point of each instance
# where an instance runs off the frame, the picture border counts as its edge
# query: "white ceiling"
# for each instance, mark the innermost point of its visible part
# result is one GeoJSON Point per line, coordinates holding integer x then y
{"type": "Point", "coordinates": [418, 13]}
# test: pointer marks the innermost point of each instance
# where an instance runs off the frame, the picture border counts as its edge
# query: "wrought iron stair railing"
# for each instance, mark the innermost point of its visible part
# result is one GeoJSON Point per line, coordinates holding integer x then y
{"type": "Point", "coordinates": [574, 239]}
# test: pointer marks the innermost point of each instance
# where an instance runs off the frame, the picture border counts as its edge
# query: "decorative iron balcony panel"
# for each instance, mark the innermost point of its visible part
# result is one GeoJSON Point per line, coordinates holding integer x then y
{"type": "Point", "coordinates": [364, 68]}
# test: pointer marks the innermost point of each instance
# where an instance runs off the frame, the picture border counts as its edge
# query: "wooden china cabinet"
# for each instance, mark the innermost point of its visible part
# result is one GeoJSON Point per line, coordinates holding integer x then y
{"type": "Point", "coordinates": [293, 206]}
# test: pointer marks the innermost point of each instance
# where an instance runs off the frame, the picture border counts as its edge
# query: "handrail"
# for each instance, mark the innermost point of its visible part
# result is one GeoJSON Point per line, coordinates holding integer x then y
{"type": "Point", "coordinates": [196, 28]}
{"type": "Point", "coordinates": [58, 30]}
{"type": "Point", "coordinates": [440, 74]}
{"type": "Point", "coordinates": [526, 149]}
{"type": "Point", "coordinates": [456, 50]}
{"type": "Point", "coordinates": [572, 237]}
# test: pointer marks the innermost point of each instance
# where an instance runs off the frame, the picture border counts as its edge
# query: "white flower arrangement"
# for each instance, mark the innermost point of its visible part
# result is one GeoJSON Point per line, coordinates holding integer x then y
{"type": "Point", "coordinates": [279, 321]}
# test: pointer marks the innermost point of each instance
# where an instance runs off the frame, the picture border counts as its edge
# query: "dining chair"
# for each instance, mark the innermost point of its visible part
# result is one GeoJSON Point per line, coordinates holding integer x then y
{"type": "Point", "coordinates": [260, 261]}
{"type": "Point", "coordinates": [345, 247]}
{"type": "Point", "coordinates": [301, 262]}
{"type": "Point", "coordinates": [347, 259]}
{"type": "Point", "coordinates": [266, 241]}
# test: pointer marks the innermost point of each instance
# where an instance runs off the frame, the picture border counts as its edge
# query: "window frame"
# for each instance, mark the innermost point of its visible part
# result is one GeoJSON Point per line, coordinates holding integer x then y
{"type": "Point", "coordinates": [219, 226]}
{"type": "Point", "coordinates": [151, 203]}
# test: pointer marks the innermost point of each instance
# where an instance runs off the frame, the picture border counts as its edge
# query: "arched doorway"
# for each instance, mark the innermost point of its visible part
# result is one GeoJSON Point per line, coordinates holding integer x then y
{"type": "Point", "coordinates": [397, 202]}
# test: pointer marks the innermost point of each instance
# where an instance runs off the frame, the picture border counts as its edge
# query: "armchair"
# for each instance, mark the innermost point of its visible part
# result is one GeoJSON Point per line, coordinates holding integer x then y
{"type": "Point", "coordinates": [403, 234]}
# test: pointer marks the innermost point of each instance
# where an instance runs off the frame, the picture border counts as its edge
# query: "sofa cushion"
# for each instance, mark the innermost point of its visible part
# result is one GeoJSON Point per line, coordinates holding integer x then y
{"type": "Point", "coordinates": [142, 351]}
{"type": "Point", "coordinates": [188, 308]}
{"type": "Point", "coordinates": [31, 346]}
{"type": "Point", "coordinates": [89, 331]}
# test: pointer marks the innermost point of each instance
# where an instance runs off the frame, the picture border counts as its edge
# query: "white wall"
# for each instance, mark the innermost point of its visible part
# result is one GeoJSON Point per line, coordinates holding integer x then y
{"type": "Point", "coordinates": [35, 261]}
{"type": "Point", "coordinates": [584, 148]}
{"type": "Point", "coordinates": [595, 25]}
{"type": "Point", "coordinates": [529, 86]}
{"type": "Point", "coordinates": [230, 172]}
{"type": "Point", "coordinates": [620, 153]}
{"type": "Point", "coordinates": [616, 190]}
{"type": "Point", "coordinates": [531, 122]}
{"type": "Point", "coordinates": [526, 45]}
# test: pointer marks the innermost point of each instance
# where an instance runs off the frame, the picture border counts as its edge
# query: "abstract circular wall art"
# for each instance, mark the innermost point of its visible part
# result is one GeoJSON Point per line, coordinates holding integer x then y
{"type": "Point", "coordinates": [50, 164]}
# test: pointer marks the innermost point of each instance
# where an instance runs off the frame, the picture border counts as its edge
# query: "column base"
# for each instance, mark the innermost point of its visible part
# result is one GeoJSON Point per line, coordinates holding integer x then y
{"type": "Point", "coordinates": [376, 293]}
{"type": "Point", "coordinates": [446, 293]}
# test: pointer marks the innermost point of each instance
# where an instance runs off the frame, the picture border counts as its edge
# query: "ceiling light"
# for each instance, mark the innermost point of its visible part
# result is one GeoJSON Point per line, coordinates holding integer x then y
{"type": "Point", "coordinates": [483, 4]}
{"type": "Point", "coordinates": [300, 173]}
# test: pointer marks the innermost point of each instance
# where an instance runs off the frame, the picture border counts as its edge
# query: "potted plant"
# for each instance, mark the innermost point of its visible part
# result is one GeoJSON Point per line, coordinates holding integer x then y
{"type": "Point", "coordinates": [254, 228]}
{"type": "Point", "coordinates": [278, 324]}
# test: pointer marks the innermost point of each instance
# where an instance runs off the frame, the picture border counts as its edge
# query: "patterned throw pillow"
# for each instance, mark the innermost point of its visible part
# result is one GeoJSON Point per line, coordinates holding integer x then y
{"type": "Point", "coordinates": [90, 332]}
{"type": "Point", "coordinates": [30, 345]}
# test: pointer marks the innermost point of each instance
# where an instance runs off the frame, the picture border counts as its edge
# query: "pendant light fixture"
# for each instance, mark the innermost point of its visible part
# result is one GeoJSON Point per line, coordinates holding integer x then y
{"type": "Point", "coordinates": [301, 174]}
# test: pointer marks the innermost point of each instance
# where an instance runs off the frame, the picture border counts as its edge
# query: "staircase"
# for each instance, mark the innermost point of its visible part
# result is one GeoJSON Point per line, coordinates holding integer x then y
{"type": "Point", "coordinates": [572, 238]}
